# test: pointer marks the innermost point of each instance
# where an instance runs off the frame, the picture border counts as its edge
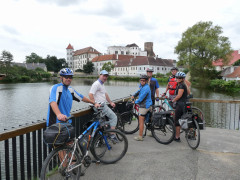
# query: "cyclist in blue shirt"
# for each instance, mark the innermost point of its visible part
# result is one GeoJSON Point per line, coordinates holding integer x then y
{"type": "Point", "coordinates": [154, 86]}
{"type": "Point", "coordinates": [144, 100]}
{"type": "Point", "coordinates": [61, 98]}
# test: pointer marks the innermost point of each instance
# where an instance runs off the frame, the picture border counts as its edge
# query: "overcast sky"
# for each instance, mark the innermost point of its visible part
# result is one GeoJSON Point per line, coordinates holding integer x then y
{"type": "Point", "coordinates": [48, 26]}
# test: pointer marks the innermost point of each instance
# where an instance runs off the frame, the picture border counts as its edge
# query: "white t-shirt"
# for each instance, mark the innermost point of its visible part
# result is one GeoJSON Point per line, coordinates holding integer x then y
{"type": "Point", "coordinates": [98, 91]}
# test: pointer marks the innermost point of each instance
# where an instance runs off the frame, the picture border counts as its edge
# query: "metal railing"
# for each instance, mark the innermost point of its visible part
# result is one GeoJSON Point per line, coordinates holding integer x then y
{"type": "Point", "coordinates": [23, 150]}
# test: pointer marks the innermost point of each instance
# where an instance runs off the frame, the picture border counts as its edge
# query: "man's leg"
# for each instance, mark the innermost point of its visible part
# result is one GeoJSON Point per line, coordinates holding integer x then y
{"type": "Point", "coordinates": [111, 116]}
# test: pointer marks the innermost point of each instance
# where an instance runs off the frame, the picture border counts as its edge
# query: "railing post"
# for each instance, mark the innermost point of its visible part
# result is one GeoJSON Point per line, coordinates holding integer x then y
{"type": "Point", "coordinates": [40, 141]}
{"type": "Point", "coordinates": [28, 147]}
{"type": "Point", "coordinates": [34, 152]}
{"type": "Point", "coordinates": [7, 170]}
{"type": "Point", "coordinates": [14, 155]}
{"type": "Point", "coordinates": [22, 157]}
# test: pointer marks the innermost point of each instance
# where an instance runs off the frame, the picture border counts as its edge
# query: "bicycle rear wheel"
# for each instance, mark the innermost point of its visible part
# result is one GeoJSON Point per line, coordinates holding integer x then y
{"type": "Point", "coordinates": [192, 135]}
{"type": "Point", "coordinates": [56, 166]}
{"type": "Point", "coordinates": [200, 114]}
{"type": "Point", "coordinates": [164, 134]}
{"type": "Point", "coordinates": [108, 150]}
{"type": "Point", "coordinates": [130, 122]}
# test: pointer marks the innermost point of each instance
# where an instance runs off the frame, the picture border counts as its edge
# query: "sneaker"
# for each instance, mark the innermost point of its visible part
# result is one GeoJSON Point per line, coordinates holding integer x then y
{"type": "Point", "coordinates": [150, 134]}
{"type": "Point", "coordinates": [177, 139]}
{"type": "Point", "coordinates": [114, 139]}
{"type": "Point", "coordinates": [138, 138]}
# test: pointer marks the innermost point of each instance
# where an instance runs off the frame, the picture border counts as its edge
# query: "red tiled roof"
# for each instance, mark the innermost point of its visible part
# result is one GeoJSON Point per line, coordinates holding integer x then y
{"type": "Point", "coordinates": [235, 57]}
{"type": "Point", "coordinates": [111, 57]}
{"type": "Point", "coordinates": [89, 50]}
{"type": "Point", "coordinates": [235, 73]}
{"type": "Point", "coordinates": [69, 46]}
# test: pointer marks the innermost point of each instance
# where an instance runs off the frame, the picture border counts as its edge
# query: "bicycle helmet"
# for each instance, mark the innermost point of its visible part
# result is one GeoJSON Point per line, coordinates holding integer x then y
{"type": "Point", "coordinates": [144, 77]}
{"type": "Point", "coordinates": [66, 72]}
{"type": "Point", "coordinates": [180, 75]}
{"type": "Point", "coordinates": [174, 68]}
{"type": "Point", "coordinates": [149, 69]}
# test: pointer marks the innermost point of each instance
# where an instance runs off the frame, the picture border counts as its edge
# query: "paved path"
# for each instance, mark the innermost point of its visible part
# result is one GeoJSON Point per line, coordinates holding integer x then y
{"type": "Point", "coordinates": [217, 157]}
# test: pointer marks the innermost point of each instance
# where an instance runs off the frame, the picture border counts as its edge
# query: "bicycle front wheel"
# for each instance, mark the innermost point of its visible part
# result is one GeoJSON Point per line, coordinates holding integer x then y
{"type": "Point", "coordinates": [107, 149]}
{"type": "Point", "coordinates": [56, 165]}
{"type": "Point", "coordinates": [130, 122]}
{"type": "Point", "coordinates": [164, 134]}
{"type": "Point", "coordinates": [192, 135]}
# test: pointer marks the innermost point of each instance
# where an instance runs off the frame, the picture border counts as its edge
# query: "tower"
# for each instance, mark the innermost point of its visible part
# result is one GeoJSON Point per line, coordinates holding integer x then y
{"type": "Point", "coordinates": [148, 46]}
{"type": "Point", "coordinates": [70, 56]}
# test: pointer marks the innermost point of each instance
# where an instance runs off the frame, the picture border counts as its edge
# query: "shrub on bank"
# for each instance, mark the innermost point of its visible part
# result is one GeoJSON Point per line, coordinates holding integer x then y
{"type": "Point", "coordinates": [221, 85]}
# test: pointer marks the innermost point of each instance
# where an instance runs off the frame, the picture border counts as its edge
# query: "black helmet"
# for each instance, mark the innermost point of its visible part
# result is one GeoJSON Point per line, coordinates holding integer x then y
{"type": "Point", "coordinates": [174, 68]}
{"type": "Point", "coordinates": [144, 77]}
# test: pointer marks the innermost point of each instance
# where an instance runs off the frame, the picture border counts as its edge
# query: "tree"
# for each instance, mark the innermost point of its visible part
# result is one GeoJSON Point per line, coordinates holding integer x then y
{"type": "Point", "coordinates": [34, 58]}
{"type": "Point", "coordinates": [54, 64]}
{"type": "Point", "coordinates": [108, 67]}
{"type": "Point", "coordinates": [200, 45]}
{"type": "Point", "coordinates": [5, 62]}
{"type": "Point", "coordinates": [88, 67]}
{"type": "Point", "coordinates": [237, 63]}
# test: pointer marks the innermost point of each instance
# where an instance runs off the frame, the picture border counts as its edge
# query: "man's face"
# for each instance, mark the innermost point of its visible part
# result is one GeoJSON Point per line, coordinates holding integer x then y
{"type": "Point", "coordinates": [66, 80]}
{"type": "Point", "coordinates": [149, 74]}
{"type": "Point", "coordinates": [174, 72]}
{"type": "Point", "coordinates": [143, 82]}
{"type": "Point", "coordinates": [103, 78]}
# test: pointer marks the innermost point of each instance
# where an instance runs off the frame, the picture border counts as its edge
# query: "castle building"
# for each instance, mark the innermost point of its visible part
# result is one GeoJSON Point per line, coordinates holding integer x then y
{"type": "Point", "coordinates": [130, 49]}
{"type": "Point", "coordinates": [76, 59]}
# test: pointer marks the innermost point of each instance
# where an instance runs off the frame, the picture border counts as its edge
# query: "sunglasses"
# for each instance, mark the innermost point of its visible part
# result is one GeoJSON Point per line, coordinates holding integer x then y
{"type": "Point", "coordinates": [68, 77]}
{"type": "Point", "coordinates": [143, 80]}
{"type": "Point", "coordinates": [179, 78]}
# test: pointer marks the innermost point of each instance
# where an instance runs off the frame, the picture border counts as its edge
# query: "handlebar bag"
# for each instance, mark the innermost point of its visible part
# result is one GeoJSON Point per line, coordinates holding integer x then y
{"type": "Point", "coordinates": [58, 133]}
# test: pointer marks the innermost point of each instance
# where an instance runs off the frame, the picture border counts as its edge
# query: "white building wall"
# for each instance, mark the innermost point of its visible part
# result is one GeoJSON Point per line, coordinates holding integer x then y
{"type": "Point", "coordinates": [135, 51]}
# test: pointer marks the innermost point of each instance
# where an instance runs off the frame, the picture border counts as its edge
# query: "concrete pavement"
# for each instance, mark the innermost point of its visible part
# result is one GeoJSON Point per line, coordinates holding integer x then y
{"type": "Point", "coordinates": [217, 157]}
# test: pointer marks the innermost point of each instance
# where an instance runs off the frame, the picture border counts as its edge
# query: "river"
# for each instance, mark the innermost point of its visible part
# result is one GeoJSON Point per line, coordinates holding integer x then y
{"type": "Point", "coordinates": [23, 103]}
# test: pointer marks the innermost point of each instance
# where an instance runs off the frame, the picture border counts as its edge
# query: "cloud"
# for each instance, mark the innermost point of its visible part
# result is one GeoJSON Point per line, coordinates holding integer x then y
{"type": "Point", "coordinates": [62, 2]}
{"type": "Point", "coordinates": [137, 23]}
{"type": "Point", "coordinates": [103, 8]}
{"type": "Point", "coordinates": [10, 30]}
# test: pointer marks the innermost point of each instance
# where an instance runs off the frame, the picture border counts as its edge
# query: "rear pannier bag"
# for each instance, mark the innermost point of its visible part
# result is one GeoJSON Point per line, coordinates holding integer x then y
{"type": "Point", "coordinates": [58, 133]}
{"type": "Point", "coordinates": [200, 122]}
{"type": "Point", "coordinates": [159, 119]}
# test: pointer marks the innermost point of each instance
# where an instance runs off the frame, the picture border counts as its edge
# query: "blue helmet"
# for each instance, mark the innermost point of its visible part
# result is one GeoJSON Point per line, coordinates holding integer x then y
{"type": "Point", "coordinates": [66, 72]}
{"type": "Point", "coordinates": [181, 75]}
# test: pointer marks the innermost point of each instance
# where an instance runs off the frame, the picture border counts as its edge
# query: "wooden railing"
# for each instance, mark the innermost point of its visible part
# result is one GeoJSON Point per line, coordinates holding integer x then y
{"type": "Point", "coordinates": [23, 150]}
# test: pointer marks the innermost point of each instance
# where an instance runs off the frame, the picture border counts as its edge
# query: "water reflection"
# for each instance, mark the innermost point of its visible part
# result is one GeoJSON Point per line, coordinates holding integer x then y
{"type": "Point", "coordinates": [27, 102]}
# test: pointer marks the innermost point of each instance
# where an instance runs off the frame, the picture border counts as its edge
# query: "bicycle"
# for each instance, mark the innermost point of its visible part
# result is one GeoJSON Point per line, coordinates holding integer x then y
{"type": "Point", "coordinates": [194, 109]}
{"type": "Point", "coordinates": [190, 126]}
{"type": "Point", "coordinates": [65, 162]}
{"type": "Point", "coordinates": [160, 124]}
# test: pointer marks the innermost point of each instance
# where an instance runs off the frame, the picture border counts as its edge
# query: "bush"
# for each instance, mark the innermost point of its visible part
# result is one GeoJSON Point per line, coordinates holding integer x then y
{"type": "Point", "coordinates": [25, 78]}
{"type": "Point", "coordinates": [221, 85]}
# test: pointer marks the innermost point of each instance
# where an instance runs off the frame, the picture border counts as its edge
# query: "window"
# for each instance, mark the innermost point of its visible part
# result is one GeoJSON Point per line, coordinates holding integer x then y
{"type": "Point", "coordinates": [139, 68]}
{"type": "Point", "coordinates": [116, 52]}
{"type": "Point", "coordinates": [122, 52]}
{"type": "Point", "coordinates": [144, 68]}
{"type": "Point", "coordinates": [162, 68]}
{"type": "Point", "coordinates": [157, 68]}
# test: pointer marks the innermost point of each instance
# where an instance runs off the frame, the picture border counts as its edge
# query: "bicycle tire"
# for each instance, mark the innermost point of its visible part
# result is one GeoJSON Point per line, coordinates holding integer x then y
{"type": "Point", "coordinates": [130, 122]}
{"type": "Point", "coordinates": [192, 135]}
{"type": "Point", "coordinates": [120, 124]}
{"type": "Point", "coordinates": [164, 134]}
{"type": "Point", "coordinates": [51, 166]}
{"type": "Point", "coordinates": [115, 152]}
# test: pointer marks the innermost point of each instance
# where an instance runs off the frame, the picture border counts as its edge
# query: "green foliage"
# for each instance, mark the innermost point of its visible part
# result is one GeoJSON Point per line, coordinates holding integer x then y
{"type": "Point", "coordinates": [34, 58]}
{"type": "Point", "coordinates": [79, 70]}
{"type": "Point", "coordinates": [6, 59]}
{"type": "Point", "coordinates": [237, 63]}
{"type": "Point", "coordinates": [54, 64]}
{"type": "Point", "coordinates": [158, 75]}
{"type": "Point", "coordinates": [88, 67]}
{"type": "Point", "coordinates": [200, 45]}
{"type": "Point", "coordinates": [227, 86]}
{"type": "Point", "coordinates": [108, 67]}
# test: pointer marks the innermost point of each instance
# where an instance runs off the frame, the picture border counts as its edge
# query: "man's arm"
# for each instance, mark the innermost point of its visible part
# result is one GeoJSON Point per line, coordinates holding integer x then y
{"type": "Point", "coordinates": [157, 92]}
{"type": "Point", "coordinates": [91, 97]}
{"type": "Point", "coordinates": [109, 100]}
{"type": "Point", "coordinates": [85, 99]}
{"type": "Point", "coordinates": [60, 116]}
